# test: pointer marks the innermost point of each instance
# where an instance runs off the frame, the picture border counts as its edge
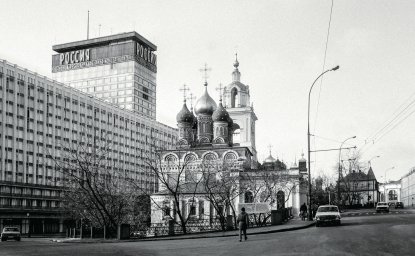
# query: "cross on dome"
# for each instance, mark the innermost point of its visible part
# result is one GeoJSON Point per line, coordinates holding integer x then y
{"type": "Point", "coordinates": [184, 89]}
{"type": "Point", "coordinates": [269, 148]}
{"type": "Point", "coordinates": [191, 98]}
{"type": "Point", "coordinates": [220, 88]}
{"type": "Point", "coordinates": [205, 70]}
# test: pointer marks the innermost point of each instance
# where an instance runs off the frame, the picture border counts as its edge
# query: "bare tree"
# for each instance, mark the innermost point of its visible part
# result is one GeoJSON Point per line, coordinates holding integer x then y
{"type": "Point", "coordinates": [96, 185]}
{"type": "Point", "coordinates": [176, 183]}
{"type": "Point", "coordinates": [221, 186]}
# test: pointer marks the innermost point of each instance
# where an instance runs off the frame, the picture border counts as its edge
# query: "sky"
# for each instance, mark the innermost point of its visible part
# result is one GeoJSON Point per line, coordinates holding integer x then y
{"type": "Point", "coordinates": [281, 48]}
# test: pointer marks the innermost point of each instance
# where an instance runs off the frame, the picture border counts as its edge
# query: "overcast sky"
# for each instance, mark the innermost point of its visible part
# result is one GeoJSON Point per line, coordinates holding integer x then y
{"type": "Point", "coordinates": [280, 47]}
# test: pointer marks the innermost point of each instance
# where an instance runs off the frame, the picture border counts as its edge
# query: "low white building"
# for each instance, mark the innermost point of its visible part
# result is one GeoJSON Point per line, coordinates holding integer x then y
{"type": "Point", "coordinates": [390, 192]}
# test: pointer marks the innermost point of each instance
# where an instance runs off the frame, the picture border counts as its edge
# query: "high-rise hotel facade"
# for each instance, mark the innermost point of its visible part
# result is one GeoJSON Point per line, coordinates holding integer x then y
{"type": "Point", "coordinates": [107, 86]}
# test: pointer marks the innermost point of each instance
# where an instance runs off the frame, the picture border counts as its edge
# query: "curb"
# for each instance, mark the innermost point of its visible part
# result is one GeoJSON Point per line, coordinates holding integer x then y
{"type": "Point", "coordinates": [196, 236]}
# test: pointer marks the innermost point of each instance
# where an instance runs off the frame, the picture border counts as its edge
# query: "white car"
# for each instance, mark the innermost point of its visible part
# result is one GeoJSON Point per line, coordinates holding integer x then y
{"type": "Point", "coordinates": [328, 214]}
{"type": "Point", "coordinates": [382, 206]}
{"type": "Point", "coordinates": [10, 233]}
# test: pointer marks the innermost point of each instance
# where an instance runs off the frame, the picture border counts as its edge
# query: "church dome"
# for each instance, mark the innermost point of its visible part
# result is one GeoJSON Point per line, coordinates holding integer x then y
{"type": "Point", "coordinates": [205, 104]}
{"type": "Point", "coordinates": [220, 114]}
{"type": "Point", "coordinates": [185, 116]}
{"type": "Point", "coordinates": [270, 159]}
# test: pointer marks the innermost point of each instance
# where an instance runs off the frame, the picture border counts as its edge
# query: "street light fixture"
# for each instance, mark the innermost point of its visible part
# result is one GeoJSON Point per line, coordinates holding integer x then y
{"type": "Point", "coordinates": [340, 166]}
{"type": "Point", "coordinates": [28, 223]}
{"type": "Point", "coordinates": [310, 217]}
{"type": "Point", "coordinates": [370, 161]}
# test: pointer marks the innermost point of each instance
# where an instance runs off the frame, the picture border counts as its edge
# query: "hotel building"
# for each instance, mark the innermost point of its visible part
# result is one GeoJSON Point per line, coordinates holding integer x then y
{"type": "Point", "coordinates": [120, 69]}
{"type": "Point", "coordinates": [38, 115]}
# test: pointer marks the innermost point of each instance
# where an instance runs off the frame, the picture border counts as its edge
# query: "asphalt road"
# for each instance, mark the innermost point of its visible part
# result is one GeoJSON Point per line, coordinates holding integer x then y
{"type": "Point", "coordinates": [389, 234]}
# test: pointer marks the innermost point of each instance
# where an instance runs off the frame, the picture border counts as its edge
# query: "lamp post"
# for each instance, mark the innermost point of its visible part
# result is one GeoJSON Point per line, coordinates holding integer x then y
{"type": "Point", "coordinates": [370, 161]}
{"type": "Point", "coordinates": [28, 223]}
{"type": "Point", "coordinates": [340, 166]}
{"type": "Point", "coordinates": [310, 217]}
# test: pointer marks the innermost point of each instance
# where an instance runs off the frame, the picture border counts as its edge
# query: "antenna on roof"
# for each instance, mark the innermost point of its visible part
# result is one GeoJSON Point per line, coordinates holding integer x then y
{"type": "Point", "coordinates": [87, 28]}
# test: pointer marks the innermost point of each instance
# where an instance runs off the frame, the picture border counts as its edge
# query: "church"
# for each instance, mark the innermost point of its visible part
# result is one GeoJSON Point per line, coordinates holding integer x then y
{"type": "Point", "coordinates": [213, 171]}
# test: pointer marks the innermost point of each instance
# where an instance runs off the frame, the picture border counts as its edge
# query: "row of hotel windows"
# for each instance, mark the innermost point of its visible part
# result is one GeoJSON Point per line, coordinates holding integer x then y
{"type": "Point", "coordinates": [66, 112]}
{"type": "Point", "coordinates": [18, 202]}
{"type": "Point", "coordinates": [29, 191]}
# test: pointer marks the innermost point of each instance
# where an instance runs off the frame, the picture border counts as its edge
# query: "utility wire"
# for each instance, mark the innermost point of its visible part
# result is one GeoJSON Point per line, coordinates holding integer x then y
{"type": "Point", "coordinates": [321, 79]}
{"type": "Point", "coordinates": [375, 137]}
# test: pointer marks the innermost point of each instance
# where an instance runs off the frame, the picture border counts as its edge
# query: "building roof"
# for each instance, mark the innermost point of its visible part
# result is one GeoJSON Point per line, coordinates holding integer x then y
{"type": "Point", "coordinates": [101, 41]}
{"type": "Point", "coordinates": [359, 176]}
{"type": "Point", "coordinates": [370, 174]}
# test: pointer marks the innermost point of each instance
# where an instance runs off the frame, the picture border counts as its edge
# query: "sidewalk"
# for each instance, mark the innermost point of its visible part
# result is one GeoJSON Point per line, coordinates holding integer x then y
{"type": "Point", "coordinates": [293, 224]}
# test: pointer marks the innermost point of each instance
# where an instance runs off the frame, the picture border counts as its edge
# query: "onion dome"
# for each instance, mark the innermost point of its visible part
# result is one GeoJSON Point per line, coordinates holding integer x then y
{"type": "Point", "coordinates": [270, 159]}
{"type": "Point", "coordinates": [185, 116]}
{"type": "Point", "coordinates": [205, 104]}
{"type": "Point", "coordinates": [220, 114]}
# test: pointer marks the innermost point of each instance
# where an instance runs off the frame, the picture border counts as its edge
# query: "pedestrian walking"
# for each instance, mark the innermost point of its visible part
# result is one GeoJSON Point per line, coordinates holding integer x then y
{"type": "Point", "coordinates": [303, 211]}
{"type": "Point", "coordinates": [243, 223]}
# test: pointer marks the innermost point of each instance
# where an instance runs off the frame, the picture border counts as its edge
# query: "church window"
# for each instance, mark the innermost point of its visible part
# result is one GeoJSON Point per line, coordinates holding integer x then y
{"type": "Point", "coordinates": [236, 136]}
{"type": "Point", "coordinates": [230, 156]}
{"type": "Point", "coordinates": [234, 98]}
{"type": "Point", "coordinates": [170, 158]}
{"type": "Point", "coordinates": [190, 158]}
{"type": "Point", "coordinates": [249, 197]}
{"type": "Point", "coordinates": [210, 156]}
{"type": "Point", "coordinates": [280, 199]}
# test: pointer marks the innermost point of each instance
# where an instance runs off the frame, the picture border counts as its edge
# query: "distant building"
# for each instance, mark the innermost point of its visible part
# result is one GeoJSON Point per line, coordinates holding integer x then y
{"type": "Point", "coordinates": [359, 188]}
{"type": "Point", "coordinates": [390, 192]}
{"type": "Point", "coordinates": [408, 188]}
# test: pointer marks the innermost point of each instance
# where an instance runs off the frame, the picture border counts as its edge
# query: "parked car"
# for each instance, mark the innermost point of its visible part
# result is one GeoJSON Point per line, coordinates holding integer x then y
{"type": "Point", "coordinates": [328, 214]}
{"type": "Point", "coordinates": [399, 205]}
{"type": "Point", "coordinates": [382, 206]}
{"type": "Point", "coordinates": [10, 233]}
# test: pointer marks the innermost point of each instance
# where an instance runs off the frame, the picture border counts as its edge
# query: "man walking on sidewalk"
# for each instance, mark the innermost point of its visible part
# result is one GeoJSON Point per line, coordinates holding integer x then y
{"type": "Point", "coordinates": [243, 223]}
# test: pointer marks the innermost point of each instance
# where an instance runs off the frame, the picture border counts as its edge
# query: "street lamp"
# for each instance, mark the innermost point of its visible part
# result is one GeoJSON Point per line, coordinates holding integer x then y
{"type": "Point", "coordinates": [340, 165]}
{"type": "Point", "coordinates": [370, 161]}
{"type": "Point", "coordinates": [310, 217]}
{"type": "Point", "coordinates": [28, 223]}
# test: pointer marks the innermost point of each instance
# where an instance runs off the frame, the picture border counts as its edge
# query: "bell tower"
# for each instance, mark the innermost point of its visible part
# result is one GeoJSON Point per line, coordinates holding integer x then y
{"type": "Point", "coordinates": [236, 100]}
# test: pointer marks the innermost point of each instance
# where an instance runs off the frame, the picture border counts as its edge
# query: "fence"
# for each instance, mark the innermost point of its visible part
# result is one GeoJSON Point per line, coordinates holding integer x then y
{"type": "Point", "coordinates": [198, 226]}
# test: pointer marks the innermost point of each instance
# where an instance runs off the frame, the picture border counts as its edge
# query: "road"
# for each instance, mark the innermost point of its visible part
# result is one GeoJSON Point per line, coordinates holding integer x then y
{"type": "Point", "coordinates": [389, 234]}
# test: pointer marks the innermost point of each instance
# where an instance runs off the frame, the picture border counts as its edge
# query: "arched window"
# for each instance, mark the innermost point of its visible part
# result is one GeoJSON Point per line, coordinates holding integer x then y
{"type": "Point", "coordinates": [280, 199]}
{"type": "Point", "coordinates": [237, 136]}
{"type": "Point", "coordinates": [234, 98]}
{"type": "Point", "coordinates": [249, 197]}
{"type": "Point", "coordinates": [393, 196]}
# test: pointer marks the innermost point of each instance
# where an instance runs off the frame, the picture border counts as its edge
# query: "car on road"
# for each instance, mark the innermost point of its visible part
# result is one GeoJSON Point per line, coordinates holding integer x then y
{"type": "Point", "coordinates": [382, 207]}
{"type": "Point", "coordinates": [328, 214]}
{"type": "Point", "coordinates": [399, 205]}
{"type": "Point", "coordinates": [10, 233]}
